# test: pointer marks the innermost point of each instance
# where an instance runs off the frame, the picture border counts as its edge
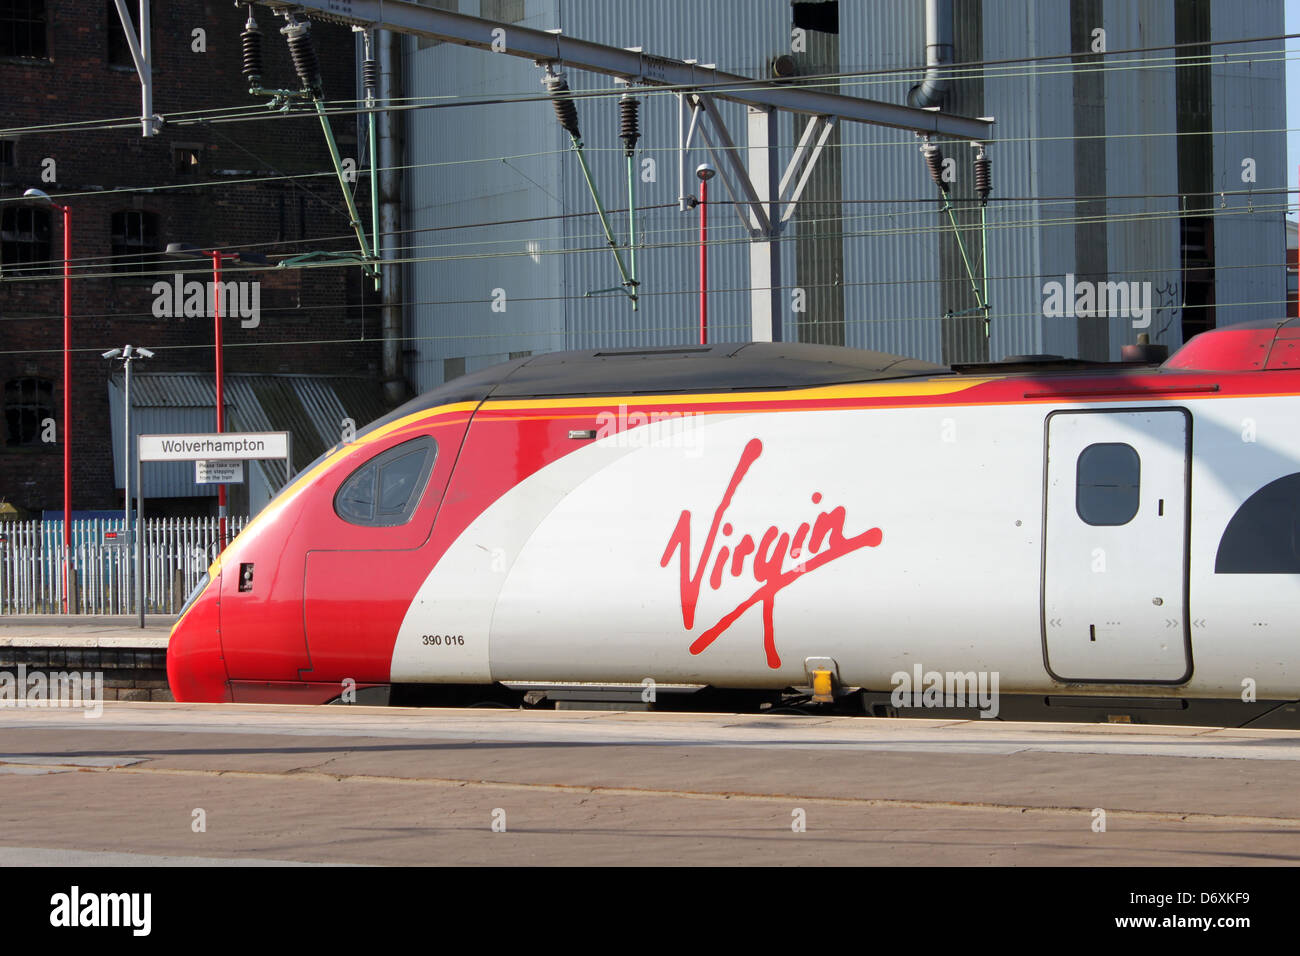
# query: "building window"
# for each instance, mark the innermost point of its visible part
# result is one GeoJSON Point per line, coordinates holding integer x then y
{"type": "Point", "coordinates": [119, 48]}
{"type": "Point", "coordinates": [1108, 484]}
{"type": "Point", "coordinates": [452, 6]}
{"type": "Point", "coordinates": [820, 15]}
{"type": "Point", "coordinates": [1263, 537]}
{"type": "Point", "coordinates": [6, 153]}
{"type": "Point", "coordinates": [28, 402]}
{"type": "Point", "coordinates": [185, 161]}
{"type": "Point", "coordinates": [503, 11]}
{"type": "Point", "coordinates": [135, 242]}
{"type": "Point", "coordinates": [385, 491]}
{"type": "Point", "coordinates": [25, 239]}
{"type": "Point", "coordinates": [22, 29]}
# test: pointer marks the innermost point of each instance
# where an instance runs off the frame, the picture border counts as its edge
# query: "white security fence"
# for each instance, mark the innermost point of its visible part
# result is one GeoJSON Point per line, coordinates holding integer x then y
{"type": "Point", "coordinates": [175, 554]}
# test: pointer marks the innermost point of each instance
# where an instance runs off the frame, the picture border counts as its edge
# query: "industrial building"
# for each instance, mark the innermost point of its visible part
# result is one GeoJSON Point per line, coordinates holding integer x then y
{"type": "Point", "coordinates": [306, 364]}
{"type": "Point", "coordinates": [1133, 143]}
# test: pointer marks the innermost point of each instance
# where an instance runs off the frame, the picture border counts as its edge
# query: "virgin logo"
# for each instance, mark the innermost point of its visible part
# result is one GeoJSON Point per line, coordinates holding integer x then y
{"type": "Point", "coordinates": [812, 545]}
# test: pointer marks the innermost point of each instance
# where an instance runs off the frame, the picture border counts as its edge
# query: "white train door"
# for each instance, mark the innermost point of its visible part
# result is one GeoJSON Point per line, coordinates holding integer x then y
{"type": "Point", "coordinates": [1114, 585]}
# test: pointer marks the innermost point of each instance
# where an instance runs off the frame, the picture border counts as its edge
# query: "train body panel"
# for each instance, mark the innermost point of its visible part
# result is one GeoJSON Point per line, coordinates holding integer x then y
{"type": "Point", "coordinates": [1082, 533]}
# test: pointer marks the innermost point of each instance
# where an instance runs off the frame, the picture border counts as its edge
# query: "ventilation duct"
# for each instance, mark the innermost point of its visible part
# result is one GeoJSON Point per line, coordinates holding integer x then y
{"type": "Point", "coordinates": [933, 89]}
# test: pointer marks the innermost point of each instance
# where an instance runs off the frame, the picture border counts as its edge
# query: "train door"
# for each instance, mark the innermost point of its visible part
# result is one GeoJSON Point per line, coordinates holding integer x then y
{"type": "Point", "coordinates": [1114, 579]}
{"type": "Point", "coordinates": [366, 564]}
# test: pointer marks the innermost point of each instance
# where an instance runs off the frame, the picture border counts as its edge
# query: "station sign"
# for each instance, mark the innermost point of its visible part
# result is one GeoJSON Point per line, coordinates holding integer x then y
{"type": "Point", "coordinates": [209, 472]}
{"type": "Point", "coordinates": [221, 447]}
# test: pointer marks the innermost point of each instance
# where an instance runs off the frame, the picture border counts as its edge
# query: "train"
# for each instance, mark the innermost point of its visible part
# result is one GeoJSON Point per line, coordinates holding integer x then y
{"type": "Point", "coordinates": [786, 519]}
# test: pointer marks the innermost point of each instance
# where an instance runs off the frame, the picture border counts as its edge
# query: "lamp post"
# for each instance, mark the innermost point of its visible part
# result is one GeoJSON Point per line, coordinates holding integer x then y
{"type": "Point", "coordinates": [44, 197]}
{"type": "Point", "coordinates": [217, 257]}
{"type": "Point", "coordinates": [129, 354]}
{"type": "Point", "coordinates": [704, 172]}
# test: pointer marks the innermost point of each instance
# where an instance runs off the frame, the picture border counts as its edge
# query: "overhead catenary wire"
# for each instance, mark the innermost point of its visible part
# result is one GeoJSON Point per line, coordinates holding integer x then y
{"type": "Point", "coordinates": [685, 330]}
{"type": "Point", "coordinates": [1114, 60]}
{"type": "Point", "coordinates": [1015, 68]}
{"type": "Point", "coordinates": [33, 271]}
{"type": "Point", "coordinates": [593, 250]}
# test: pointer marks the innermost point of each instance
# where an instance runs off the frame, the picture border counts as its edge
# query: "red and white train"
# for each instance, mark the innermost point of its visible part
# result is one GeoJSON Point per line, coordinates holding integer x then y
{"type": "Point", "coordinates": [742, 516]}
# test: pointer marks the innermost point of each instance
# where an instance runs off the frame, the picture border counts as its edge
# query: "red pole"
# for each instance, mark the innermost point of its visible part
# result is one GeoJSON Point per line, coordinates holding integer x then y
{"type": "Point", "coordinates": [221, 405]}
{"type": "Point", "coordinates": [67, 406]}
{"type": "Point", "coordinates": [704, 262]}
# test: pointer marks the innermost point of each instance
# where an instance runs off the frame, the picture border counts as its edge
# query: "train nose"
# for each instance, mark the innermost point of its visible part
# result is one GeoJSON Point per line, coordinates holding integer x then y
{"type": "Point", "coordinates": [196, 668]}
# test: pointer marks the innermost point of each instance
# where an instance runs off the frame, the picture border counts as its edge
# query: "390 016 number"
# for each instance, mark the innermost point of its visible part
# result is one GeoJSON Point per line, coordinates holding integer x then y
{"type": "Point", "coordinates": [444, 640]}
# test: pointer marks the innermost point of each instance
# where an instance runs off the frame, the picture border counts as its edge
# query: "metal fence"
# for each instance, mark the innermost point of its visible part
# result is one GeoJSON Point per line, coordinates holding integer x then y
{"type": "Point", "coordinates": [175, 553]}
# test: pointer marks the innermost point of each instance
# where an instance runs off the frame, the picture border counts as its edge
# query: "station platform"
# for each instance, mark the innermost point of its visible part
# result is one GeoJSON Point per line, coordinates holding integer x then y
{"type": "Point", "coordinates": [85, 630]}
{"type": "Point", "coordinates": [132, 659]}
{"type": "Point", "coordinates": [363, 785]}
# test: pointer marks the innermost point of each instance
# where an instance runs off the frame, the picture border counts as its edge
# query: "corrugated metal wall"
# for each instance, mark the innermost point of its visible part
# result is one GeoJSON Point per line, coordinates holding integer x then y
{"type": "Point", "coordinates": [497, 164]}
{"type": "Point", "coordinates": [669, 272]}
{"type": "Point", "coordinates": [1249, 231]}
{"type": "Point", "coordinates": [313, 410]}
{"type": "Point", "coordinates": [892, 300]}
{"type": "Point", "coordinates": [1143, 240]}
{"type": "Point", "coordinates": [893, 271]}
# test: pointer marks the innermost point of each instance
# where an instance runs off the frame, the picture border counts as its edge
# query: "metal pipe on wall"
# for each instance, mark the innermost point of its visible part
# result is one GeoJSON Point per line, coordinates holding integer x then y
{"type": "Point", "coordinates": [932, 90]}
{"type": "Point", "coordinates": [390, 213]}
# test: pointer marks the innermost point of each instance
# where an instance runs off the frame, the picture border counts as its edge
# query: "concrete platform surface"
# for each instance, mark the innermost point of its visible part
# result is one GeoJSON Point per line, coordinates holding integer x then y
{"type": "Point", "coordinates": [85, 630]}
{"type": "Point", "coordinates": [404, 786]}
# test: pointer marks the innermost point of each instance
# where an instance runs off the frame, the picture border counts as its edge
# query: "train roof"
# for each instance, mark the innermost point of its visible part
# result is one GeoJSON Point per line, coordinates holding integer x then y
{"type": "Point", "coordinates": [767, 366]}
{"type": "Point", "coordinates": [731, 367]}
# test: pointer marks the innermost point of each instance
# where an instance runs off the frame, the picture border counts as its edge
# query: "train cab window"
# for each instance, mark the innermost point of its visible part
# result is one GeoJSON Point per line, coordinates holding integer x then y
{"type": "Point", "coordinates": [1108, 484]}
{"type": "Point", "coordinates": [1263, 537]}
{"type": "Point", "coordinates": [384, 492]}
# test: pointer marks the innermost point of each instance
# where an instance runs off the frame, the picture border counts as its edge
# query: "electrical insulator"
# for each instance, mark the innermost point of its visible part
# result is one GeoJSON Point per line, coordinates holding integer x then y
{"type": "Point", "coordinates": [629, 125]}
{"type": "Point", "coordinates": [983, 176]}
{"type": "Point", "coordinates": [370, 77]}
{"type": "Point", "coordinates": [934, 159]}
{"type": "Point", "coordinates": [566, 111]}
{"type": "Point", "coordinates": [251, 40]}
{"type": "Point", "coordinates": [304, 55]}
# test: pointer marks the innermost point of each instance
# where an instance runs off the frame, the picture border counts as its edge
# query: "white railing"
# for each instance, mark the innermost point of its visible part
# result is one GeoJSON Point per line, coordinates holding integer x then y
{"type": "Point", "coordinates": [174, 555]}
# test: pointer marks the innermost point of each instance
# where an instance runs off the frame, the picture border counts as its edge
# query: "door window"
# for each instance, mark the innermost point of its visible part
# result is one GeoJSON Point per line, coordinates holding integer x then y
{"type": "Point", "coordinates": [1108, 483]}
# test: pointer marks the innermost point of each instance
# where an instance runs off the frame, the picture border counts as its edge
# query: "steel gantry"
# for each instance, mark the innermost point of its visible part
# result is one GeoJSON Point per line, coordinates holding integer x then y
{"type": "Point", "coordinates": [766, 193]}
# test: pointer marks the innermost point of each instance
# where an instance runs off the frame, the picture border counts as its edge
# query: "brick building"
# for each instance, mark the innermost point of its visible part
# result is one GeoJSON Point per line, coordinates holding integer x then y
{"type": "Point", "coordinates": [265, 185]}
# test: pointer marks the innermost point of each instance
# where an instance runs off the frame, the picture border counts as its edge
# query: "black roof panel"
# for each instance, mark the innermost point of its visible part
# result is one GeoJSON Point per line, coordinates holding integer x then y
{"type": "Point", "coordinates": [747, 366]}
{"type": "Point", "coordinates": [732, 367]}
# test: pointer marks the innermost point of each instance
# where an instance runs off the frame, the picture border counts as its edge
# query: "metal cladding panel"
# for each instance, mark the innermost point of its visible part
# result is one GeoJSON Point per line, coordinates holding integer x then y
{"type": "Point", "coordinates": [1249, 98]}
{"type": "Point", "coordinates": [161, 479]}
{"type": "Point", "coordinates": [668, 256]}
{"type": "Point", "coordinates": [668, 262]}
{"type": "Point", "coordinates": [480, 291]}
{"type": "Point", "coordinates": [893, 233]}
{"type": "Point", "coordinates": [1143, 236]}
{"type": "Point", "coordinates": [1030, 240]}
{"type": "Point", "coordinates": [891, 215]}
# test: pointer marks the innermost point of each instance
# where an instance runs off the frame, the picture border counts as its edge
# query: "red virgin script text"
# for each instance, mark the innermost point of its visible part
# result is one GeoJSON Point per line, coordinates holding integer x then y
{"type": "Point", "coordinates": [766, 563]}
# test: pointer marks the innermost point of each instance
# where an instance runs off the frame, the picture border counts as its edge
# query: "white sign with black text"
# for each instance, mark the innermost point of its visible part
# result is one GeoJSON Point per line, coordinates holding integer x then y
{"type": "Point", "coordinates": [207, 472]}
{"type": "Point", "coordinates": [225, 446]}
